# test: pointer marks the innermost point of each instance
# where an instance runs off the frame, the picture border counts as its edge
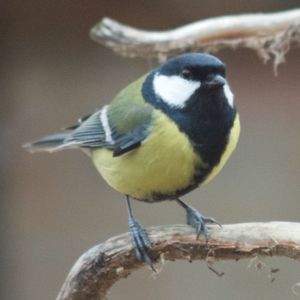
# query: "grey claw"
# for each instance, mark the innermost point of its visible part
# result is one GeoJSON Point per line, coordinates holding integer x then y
{"type": "Point", "coordinates": [210, 220]}
{"type": "Point", "coordinates": [140, 242]}
{"type": "Point", "coordinates": [198, 221]}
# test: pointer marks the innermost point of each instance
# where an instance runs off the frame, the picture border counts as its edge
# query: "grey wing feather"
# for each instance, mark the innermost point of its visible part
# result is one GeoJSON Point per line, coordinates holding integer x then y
{"type": "Point", "coordinates": [91, 134]}
{"type": "Point", "coordinates": [87, 133]}
{"type": "Point", "coordinates": [130, 140]}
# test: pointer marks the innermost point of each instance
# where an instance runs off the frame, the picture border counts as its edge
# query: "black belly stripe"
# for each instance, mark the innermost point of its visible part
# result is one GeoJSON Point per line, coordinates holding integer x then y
{"type": "Point", "coordinates": [207, 120]}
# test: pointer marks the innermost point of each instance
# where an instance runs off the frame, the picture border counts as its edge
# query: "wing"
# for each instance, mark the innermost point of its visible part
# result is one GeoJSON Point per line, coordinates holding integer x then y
{"type": "Point", "coordinates": [98, 132]}
{"type": "Point", "coordinates": [120, 126]}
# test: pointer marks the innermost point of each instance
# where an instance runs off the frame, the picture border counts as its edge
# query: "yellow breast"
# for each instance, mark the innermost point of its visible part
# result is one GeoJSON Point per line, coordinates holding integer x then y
{"type": "Point", "coordinates": [163, 164]}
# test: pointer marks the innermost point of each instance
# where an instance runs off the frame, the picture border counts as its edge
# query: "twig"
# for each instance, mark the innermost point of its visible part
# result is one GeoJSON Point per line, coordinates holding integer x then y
{"type": "Point", "coordinates": [269, 34]}
{"type": "Point", "coordinates": [100, 267]}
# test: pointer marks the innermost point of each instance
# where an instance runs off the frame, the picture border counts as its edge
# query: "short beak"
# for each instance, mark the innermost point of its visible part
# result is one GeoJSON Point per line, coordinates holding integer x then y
{"type": "Point", "coordinates": [215, 81]}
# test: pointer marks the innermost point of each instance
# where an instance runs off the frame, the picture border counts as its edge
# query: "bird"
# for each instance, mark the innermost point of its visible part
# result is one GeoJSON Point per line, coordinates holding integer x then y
{"type": "Point", "coordinates": [161, 137]}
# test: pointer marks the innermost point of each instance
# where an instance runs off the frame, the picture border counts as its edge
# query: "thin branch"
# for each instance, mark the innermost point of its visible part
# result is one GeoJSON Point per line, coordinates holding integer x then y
{"type": "Point", "coordinates": [100, 267]}
{"type": "Point", "coordinates": [269, 34]}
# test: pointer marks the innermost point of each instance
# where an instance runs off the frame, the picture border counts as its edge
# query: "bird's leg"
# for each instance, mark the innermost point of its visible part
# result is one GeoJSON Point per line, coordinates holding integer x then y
{"type": "Point", "coordinates": [139, 238]}
{"type": "Point", "coordinates": [195, 219]}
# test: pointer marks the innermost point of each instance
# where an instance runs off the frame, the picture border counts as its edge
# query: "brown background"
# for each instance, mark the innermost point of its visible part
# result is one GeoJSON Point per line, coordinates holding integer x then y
{"type": "Point", "coordinates": [54, 207]}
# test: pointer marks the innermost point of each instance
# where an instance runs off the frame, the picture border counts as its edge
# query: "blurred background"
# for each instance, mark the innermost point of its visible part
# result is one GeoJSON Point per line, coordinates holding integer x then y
{"type": "Point", "coordinates": [55, 207]}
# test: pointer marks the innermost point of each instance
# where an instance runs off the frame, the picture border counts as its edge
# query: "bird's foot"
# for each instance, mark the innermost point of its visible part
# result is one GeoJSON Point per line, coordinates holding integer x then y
{"type": "Point", "coordinates": [140, 241]}
{"type": "Point", "coordinates": [139, 237]}
{"type": "Point", "coordinates": [197, 220]}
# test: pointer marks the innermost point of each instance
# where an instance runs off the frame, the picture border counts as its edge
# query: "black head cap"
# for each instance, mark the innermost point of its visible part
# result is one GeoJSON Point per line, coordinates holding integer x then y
{"type": "Point", "coordinates": [193, 66]}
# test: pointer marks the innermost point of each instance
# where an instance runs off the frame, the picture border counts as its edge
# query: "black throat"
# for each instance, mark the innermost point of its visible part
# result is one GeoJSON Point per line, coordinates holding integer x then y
{"type": "Point", "coordinates": [206, 119]}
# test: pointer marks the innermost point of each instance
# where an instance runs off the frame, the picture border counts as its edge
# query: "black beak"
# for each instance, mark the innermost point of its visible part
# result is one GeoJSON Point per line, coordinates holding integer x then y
{"type": "Point", "coordinates": [215, 81]}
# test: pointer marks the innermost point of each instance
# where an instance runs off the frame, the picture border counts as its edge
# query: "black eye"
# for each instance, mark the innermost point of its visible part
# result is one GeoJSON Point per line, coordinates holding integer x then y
{"type": "Point", "coordinates": [186, 74]}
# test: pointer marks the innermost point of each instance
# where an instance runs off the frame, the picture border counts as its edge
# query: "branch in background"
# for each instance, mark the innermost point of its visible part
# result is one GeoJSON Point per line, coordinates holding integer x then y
{"type": "Point", "coordinates": [270, 35]}
{"type": "Point", "coordinates": [100, 267]}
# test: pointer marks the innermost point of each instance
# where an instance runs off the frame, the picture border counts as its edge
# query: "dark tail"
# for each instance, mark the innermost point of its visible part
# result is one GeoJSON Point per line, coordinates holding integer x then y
{"type": "Point", "coordinates": [50, 143]}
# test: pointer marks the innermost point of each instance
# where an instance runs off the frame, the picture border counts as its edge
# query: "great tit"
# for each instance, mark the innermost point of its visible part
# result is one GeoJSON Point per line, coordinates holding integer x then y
{"type": "Point", "coordinates": [161, 137]}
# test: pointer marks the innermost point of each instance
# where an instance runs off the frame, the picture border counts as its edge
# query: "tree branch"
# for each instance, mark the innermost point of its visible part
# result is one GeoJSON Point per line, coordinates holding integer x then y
{"type": "Point", "coordinates": [269, 34]}
{"type": "Point", "coordinates": [100, 267]}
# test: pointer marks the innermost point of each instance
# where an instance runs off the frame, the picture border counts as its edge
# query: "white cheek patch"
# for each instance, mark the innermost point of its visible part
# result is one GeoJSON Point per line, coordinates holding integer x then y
{"type": "Point", "coordinates": [174, 90]}
{"type": "Point", "coordinates": [228, 94]}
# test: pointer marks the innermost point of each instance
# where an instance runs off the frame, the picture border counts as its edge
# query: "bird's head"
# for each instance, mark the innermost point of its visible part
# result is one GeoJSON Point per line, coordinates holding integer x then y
{"type": "Point", "coordinates": [189, 76]}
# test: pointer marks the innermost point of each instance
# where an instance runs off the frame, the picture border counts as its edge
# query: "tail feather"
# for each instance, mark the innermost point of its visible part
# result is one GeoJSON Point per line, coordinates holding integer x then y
{"type": "Point", "coordinates": [50, 143]}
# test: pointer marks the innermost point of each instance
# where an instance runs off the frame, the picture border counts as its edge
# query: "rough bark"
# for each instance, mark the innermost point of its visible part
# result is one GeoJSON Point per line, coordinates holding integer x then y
{"type": "Point", "coordinates": [100, 267]}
